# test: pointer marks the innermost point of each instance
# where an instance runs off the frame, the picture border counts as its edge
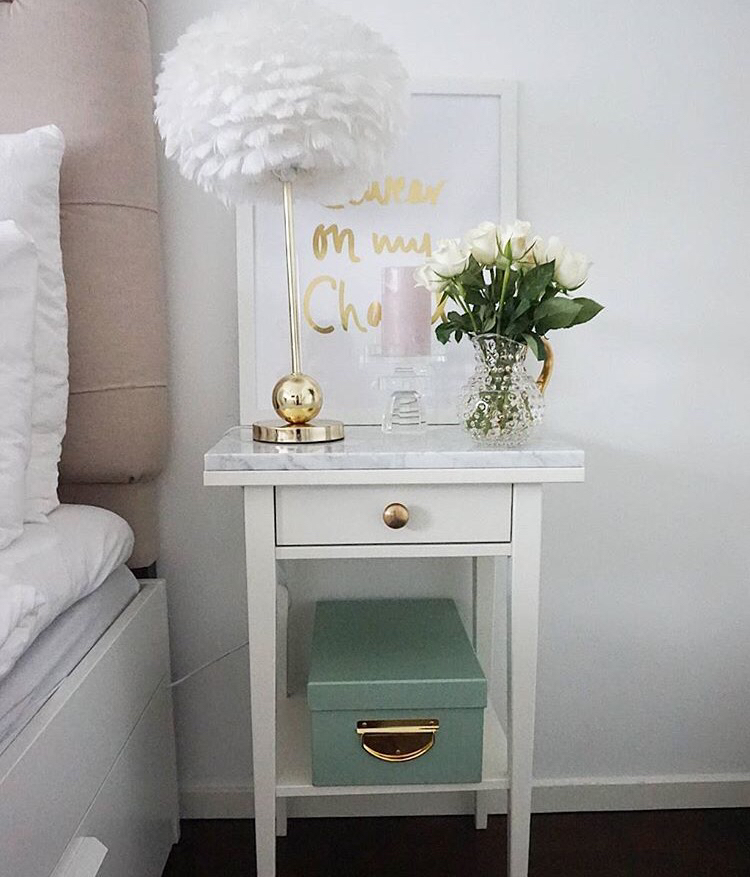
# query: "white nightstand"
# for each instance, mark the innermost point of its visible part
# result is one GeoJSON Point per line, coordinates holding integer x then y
{"type": "Point", "coordinates": [328, 501]}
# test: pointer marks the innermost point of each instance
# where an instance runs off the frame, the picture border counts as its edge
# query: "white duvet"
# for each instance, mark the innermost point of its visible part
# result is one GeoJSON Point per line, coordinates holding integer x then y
{"type": "Point", "coordinates": [50, 567]}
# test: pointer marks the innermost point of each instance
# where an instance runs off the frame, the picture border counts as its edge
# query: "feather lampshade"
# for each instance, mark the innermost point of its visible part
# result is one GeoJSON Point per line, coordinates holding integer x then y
{"type": "Point", "coordinates": [276, 96]}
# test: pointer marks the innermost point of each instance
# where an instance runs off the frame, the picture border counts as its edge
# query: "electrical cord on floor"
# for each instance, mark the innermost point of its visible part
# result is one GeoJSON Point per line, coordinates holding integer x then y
{"type": "Point", "coordinates": [206, 665]}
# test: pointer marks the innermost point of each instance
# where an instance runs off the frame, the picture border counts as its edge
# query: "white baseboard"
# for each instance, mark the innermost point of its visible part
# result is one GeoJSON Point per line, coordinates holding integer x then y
{"type": "Point", "coordinates": [575, 794]}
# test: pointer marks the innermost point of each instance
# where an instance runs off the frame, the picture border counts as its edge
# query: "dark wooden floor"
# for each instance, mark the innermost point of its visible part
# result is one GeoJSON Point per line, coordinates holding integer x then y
{"type": "Point", "coordinates": [669, 843]}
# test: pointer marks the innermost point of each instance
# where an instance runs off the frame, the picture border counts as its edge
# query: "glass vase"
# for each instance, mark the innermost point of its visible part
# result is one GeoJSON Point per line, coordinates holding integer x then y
{"type": "Point", "coordinates": [502, 403]}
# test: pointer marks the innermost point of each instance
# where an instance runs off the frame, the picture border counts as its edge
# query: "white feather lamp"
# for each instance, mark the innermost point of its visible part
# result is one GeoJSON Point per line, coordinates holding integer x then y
{"type": "Point", "coordinates": [276, 94]}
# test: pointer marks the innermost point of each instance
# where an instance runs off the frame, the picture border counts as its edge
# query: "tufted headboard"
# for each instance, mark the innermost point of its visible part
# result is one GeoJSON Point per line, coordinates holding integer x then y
{"type": "Point", "coordinates": [85, 65]}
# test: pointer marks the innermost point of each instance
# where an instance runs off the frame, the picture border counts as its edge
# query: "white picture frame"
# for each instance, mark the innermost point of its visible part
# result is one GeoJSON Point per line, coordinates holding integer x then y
{"type": "Point", "coordinates": [476, 116]}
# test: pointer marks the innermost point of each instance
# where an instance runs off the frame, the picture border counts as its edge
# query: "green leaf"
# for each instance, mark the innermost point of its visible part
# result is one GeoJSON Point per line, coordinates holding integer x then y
{"type": "Point", "coordinates": [520, 325]}
{"type": "Point", "coordinates": [536, 280]}
{"type": "Point", "coordinates": [520, 316]}
{"type": "Point", "coordinates": [535, 345]}
{"type": "Point", "coordinates": [474, 296]}
{"type": "Point", "coordinates": [488, 323]}
{"type": "Point", "coordinates": [589, 309]}
{"type": "Point", "coordinates": [472, 274]}
{"type": "Point", "coordinates": [443, 332]}
{"type": "Point", "coordinates": [555, 313]}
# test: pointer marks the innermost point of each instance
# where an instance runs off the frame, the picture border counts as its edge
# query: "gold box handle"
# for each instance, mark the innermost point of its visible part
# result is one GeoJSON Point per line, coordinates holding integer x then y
{"type": "Point", "coordinates": [398, 739]}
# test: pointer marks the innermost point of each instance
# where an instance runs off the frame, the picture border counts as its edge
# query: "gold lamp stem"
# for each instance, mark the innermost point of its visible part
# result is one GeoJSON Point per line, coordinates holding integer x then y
{"type": "Point", "coordinates": [297, 398]}
{"type": "Point", "coordinates": [292, 282]}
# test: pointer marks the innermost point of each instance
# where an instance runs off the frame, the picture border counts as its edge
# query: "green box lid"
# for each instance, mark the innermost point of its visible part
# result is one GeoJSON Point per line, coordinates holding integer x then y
{"type": "Point", "coordinates": [391, 655]}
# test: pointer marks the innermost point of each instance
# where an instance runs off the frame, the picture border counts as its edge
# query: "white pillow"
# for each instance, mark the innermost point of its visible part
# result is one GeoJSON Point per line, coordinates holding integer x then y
{"type": "Point", "coordinates": [29, 194]}
{"type": "Point", "coordinates": [18, 284]}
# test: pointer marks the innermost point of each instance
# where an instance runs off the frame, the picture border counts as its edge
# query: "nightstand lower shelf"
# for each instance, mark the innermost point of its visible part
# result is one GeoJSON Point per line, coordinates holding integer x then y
{"type": "Point", "coordinates": [294, 763]}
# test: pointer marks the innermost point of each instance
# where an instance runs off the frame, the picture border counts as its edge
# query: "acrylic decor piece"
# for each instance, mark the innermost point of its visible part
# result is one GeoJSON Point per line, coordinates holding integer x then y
{"type": "Point", "coordinates": [268, 98]}
{"type": "Point", "coordinates": [405, 387]}
{"type": "Point", "coordinates": [431, 185]}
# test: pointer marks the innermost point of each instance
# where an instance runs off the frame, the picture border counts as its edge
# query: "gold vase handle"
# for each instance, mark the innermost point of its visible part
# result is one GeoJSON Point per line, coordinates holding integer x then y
{"type": "Point", "coordinates": [547, 366]}
{"type": "Point", "coordinates": [398, 740]}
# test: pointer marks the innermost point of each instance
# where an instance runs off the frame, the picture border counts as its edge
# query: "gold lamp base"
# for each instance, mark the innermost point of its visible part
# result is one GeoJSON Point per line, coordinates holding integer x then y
{"type": "Point", "coordinates": [297, 399]}
{"type": "Point", "coordinates": [279, 432]}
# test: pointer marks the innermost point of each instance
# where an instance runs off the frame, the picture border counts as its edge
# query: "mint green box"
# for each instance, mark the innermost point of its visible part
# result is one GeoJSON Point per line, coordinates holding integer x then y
{"type": "Point", "coordinates": [396, 694]}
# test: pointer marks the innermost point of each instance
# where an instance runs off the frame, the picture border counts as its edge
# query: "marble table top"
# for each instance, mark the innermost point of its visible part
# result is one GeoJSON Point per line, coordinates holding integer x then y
{"type": "Point", "coordinates": [367, 447]}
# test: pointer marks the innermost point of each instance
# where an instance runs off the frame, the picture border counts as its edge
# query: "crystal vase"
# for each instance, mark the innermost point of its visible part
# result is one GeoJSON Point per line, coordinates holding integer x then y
{"type": "Point", "coordinates": [502, 402]}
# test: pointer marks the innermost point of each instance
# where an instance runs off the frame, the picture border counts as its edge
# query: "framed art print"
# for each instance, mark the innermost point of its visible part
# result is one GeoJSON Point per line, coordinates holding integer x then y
{"type": "Point", "coordinates": [454, 168]}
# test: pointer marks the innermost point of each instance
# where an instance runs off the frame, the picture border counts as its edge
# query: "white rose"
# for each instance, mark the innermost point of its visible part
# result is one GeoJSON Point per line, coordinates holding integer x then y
{"type": "Point", "coordinates": [426, 277]}
{"type": "Point", "coordinates": [536, 252]}
{"type": "Point", "coordinates": [554, 248]}
{"type": "Point", "coordinates": [571, 269]}
{"type": "Point", "coordinates": [482, 242]}
{"type": "Point", "coordinates": [450, 258]}
{"type": "Point", "coordinates": [517, 234]}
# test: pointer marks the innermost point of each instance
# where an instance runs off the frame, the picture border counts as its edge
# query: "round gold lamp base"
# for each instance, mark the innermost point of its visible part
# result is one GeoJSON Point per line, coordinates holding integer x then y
{"type": "Point", "coordinates": [297, 399]}
{"type": "Point", "coordinates": [279, 432]}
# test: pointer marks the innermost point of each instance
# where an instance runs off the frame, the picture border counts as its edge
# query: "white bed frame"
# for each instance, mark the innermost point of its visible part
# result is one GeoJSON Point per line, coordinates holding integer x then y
{"type": "Point", "coordinates": [89, 787]}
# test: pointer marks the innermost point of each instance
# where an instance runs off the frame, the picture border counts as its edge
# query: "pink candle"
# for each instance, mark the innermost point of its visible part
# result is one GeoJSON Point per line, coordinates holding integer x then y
{"type": "Point", "coordinates": [405, 326]}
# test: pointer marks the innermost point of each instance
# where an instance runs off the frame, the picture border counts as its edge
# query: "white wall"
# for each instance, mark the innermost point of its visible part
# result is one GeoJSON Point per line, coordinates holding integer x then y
{"type": "Point", "coordinates": [633, 133]}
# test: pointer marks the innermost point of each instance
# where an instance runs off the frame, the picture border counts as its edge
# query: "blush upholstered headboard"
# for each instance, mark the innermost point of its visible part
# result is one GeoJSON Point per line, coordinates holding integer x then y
{"type": "Point", "coordinates": [85, 65]}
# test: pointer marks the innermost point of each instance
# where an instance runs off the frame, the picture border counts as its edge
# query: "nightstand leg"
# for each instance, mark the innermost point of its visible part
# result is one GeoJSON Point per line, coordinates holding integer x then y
{"type": "Point", "coordinates": [282, 639]}
{"type": "Point", "coordinates": [261, 613]}
{"type": "Point", "coordinates": [523, 625]}
{"type": "Point", "coordinates": [281, 817]}
{"type": "Point", "coordinates": [484, 571]}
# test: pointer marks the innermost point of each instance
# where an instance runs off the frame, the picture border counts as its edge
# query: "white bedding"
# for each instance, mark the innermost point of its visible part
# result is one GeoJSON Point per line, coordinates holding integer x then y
{"type": "Point", "coordinates": [53, 565]}
{"type": "Point", "coordinates": [29, 195]}
{"type": "Point", "coordinates": [18, 283]}
{"type": "Point", "coordinates": [58, 649]}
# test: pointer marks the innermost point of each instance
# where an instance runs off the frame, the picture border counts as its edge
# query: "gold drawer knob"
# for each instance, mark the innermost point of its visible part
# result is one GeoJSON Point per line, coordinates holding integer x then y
{"type": "Point", "coordinates": [395, 516]}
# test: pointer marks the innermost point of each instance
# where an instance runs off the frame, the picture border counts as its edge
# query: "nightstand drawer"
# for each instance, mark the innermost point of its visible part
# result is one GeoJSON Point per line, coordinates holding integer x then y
{"type": "Point", "coordinates": [393, 514]}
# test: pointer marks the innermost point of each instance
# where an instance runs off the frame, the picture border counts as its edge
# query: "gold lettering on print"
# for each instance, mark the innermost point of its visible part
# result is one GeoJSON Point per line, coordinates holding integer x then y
{"type": "Point", "coordinates": [338, 236]}
{"type": "Point", "coordinates": [347, 311]}
{"type": "Point", "coordinates": [382, 242]}
{"type": "Point", "coordinates": [374, 313]}
{"type": "Point", "coordinates": [311, 287]}
{"type": "Point", "coordinates": [420, 193]}
{"type": "Point", "coordinates": [391, 191]}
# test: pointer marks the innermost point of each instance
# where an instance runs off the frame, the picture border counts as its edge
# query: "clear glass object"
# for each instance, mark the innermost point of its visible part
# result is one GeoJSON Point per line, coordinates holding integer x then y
{"type": "Point", "coordinates": [405, 407]}
{"type": "Point", "coordinates": [502, 403]}
{"type": "Point", "coordinates": [406, 385]}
